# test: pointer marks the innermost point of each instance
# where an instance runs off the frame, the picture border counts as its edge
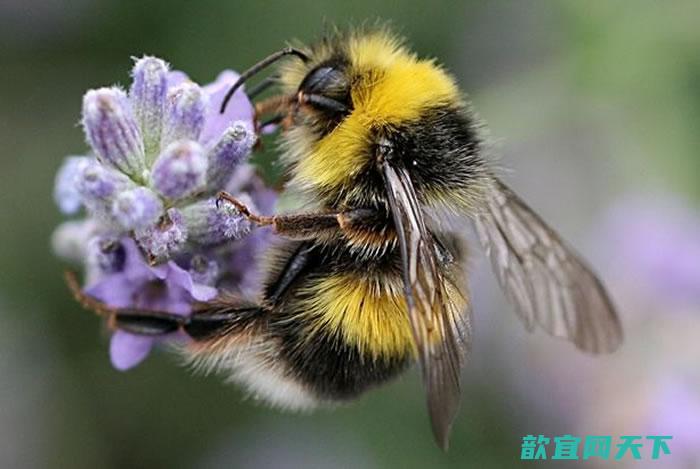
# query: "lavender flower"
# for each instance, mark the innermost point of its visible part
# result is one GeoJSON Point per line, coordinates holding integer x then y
{"type": "Point", "coordinates": [153, 237]}
{"type": "Point", "coordinates": [112, 132]}
{"type": "Point", "coordinates": [180, 170]}
{"type": "Point", "coordinates": [211, 223]}
{"type": "Point", "coordinates": [147, 94]}
{"type": "Point", "coordinates": [137, 208]}
{"type": "Point", "coordinates": [184, 113]}
{"type": "Point", "coordinates": [165, 238]}
{"type": "Point", "coordinates": [166, 287]}
{"type": "Point", "coordinates": [66, 192]}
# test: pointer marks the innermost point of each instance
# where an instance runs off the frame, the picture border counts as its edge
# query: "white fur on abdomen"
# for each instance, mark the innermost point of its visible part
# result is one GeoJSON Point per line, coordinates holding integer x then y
{"type": "Point", "coordinates": [255, 368]}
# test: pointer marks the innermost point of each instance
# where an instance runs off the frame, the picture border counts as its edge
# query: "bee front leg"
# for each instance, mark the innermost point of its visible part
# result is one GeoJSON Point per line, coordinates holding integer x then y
{"type": "Point", "coordinates": [302, 226]}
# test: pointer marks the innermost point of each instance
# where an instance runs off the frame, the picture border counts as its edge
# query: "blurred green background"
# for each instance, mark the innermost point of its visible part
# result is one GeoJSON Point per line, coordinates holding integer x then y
{"type": "Point", "coordinates": [587, 103]}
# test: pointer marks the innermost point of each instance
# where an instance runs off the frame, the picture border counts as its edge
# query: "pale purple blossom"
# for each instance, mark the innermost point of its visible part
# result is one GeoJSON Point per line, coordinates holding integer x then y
{"type": "Point", "coordinates": [166, 288]}
{"type": "Point", "coordinates": [211, 223]}
{"type": "Point", "coordinates": [137, 208]}
{"type": "Point", "coordinates": [184, 113]}
{"type": "Point", "coordinates": [180, 170]}
{"type": "Point", "coordinates": [112, 131]}
{"type": "Point", "coordinates": [66, 192]}
{"type": "Point", "coordinates": [233, 147]}
{"type": "Point", "coordinates": [147, 93]}
{"type": "Point", "coordinates": [164, 238]}
{"type": "Point", "coordinates": [153, 237]}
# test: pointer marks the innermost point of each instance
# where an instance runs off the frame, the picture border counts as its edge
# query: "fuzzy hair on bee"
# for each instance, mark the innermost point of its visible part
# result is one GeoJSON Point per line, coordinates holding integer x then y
{"type": "Point", "coordinates": [366, 280]}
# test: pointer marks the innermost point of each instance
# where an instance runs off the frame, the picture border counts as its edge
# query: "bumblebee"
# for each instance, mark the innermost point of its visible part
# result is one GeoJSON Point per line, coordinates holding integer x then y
{"type": "Point", "coordinates": [386, 154]}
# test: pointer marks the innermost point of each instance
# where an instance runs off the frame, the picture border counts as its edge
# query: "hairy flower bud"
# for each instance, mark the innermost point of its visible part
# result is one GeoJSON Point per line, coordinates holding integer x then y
{"type": "Point", "coordinates": [98, 185]}
{"type": "Point", "coordinates": [233, 148]}
{"type": "Point", "coordinates": [180, 170]}
{"type": "Point", "coordinates": [209, 223]}
{"type": "Point", "coordinates": [184, 113]}
{"type": "Point", "coordinates": [112, 131]}
{"type": "Point", "coordinates": [65, 191]}
{"type": "Point", "coordinates": [137, 208]}
{"type": "Point", "coordinates": [164, 238]}
{"type": "Point", "coordinates": [147, 95]}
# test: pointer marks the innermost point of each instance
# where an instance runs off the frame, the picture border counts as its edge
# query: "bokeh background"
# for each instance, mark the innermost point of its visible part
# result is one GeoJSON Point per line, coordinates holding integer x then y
{"type": "Point", "coordinates": [593, 106]}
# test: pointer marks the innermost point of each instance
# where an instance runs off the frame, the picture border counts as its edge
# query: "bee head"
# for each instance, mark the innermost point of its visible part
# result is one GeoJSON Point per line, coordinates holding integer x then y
{"type": "Point", "coordinates": [372, 94]}
{"type": "Point", "coordinates": [324, 98]}
{"type": "Point", "coordinates": [351, 96]}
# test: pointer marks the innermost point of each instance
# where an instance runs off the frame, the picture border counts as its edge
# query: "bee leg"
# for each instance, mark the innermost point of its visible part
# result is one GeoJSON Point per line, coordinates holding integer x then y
{"type": "Point", "coordinates": [313, 225]}
{"type": "Point", "coordinates": [201, 325]}
{"type": "Point", "coordinates": [210, 320]}
{"type": "Point", "coordinates": [259, 220]}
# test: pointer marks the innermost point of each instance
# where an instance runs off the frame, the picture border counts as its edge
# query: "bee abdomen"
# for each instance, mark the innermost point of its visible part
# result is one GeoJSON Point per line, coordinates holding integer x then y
{"type": "Point", "coordinates": [333, 369]}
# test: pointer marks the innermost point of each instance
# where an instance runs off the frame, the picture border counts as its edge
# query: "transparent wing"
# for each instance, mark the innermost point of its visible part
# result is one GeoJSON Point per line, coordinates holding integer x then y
{"type": "Point", "coordinates": [548, 282]}
{"type": "Point", "coordinates": [440, 332]}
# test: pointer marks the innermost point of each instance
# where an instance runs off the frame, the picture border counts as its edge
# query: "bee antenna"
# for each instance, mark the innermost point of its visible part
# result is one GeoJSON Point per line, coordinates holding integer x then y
{"type": "Point", "coordinates": [264, 63]}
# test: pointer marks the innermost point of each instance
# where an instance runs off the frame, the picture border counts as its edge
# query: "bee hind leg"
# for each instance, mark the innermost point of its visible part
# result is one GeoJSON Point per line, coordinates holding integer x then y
{"type": "Point", "coordinates": [208, 321]}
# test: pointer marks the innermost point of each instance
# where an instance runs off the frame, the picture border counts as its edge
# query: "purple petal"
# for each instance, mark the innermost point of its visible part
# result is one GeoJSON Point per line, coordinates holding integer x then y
{"type": "Point", "coordinates": [115, 290]}
{"type": "Point", "coordinates": [176, 77]}
{"type": "Point", "coordinates": [136, 269]}
{"type": "Point", "coordinates": [239, 107]}
{"type": "Point", "coordinates": [246, 180]}
{"type": "Point", "coordinates": [182, 278]}
{"type": "Point", "coordinates": [128, 350]}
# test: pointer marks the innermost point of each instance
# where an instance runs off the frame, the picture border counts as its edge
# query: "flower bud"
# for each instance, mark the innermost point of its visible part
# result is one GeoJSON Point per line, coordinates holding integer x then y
{"type": "Point", "coordinates": [136, 208]}
{"type": "Point", "coordinates": [208, 224]}
{"type": "Point", "coordinates": [112, 131]}
{"type": "Point", "coordinates": [234, 146]}
{"type": "Point", "coordinates": [184, 114]}
{"type": "Point", "coordinates": [180, 170]}
{"type": "Point", "coordinates": [164, 238]}
{"type": "Point", "coordinates": [98, 185]}
{"type": "Point", "coordinates": [147, 95]}
{"type": "Point", "coordinates": [65, 191]}
{"type": "Point", "coordinates": [69, 240]}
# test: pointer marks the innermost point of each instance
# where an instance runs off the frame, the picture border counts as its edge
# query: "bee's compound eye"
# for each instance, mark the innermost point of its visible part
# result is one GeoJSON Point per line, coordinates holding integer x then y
{"type": "Point", "coordinates": [327, 81]}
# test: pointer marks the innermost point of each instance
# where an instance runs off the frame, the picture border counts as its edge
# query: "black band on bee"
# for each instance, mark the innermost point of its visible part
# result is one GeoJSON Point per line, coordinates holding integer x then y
{"type": "Point", "coordinates": [264, 63]}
